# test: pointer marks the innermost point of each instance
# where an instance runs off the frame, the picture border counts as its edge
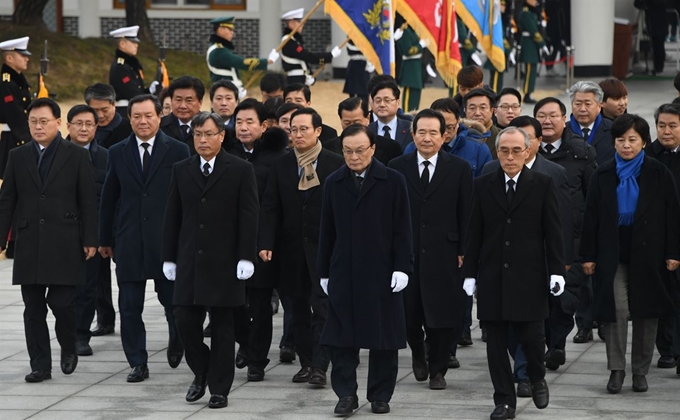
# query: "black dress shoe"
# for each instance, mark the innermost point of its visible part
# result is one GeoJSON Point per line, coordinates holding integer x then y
{"type": "Point", "coordinates": [540, 394]}
{"type": "Point", "coordinates": [317, 377]}
{"type": "Point", "coordinates": [241, 360]}
{"type": "Point", "coordinates": [529, 100]}
{"type": "Point", "coordinates": [524, 389]}
{"type": "Point", "coordinates": [484, 334]}
{"type": "Point", "coordinates": [303, 375]}
{"type": "Point", "coordinates": [453, 362]}
{"type": "Point", "coordinates": [666, 362]}
{"type": "Point", "coordinates": [197, 389]}
{"type": "Point", "coordinates": [600, 332]}
{"type": "Point", "coordinates": [346, 405]}
{"type": "Point", "coordinates": [465, 339]}
{"type": "Point", "coordinates": [207, 331]}
{"type": "Point", "coordinates": [218, 401]}
{"type": "Point", "coordinates": [583, 336]}
{"type": "Point", "coordinates": [615, 381]}
{"type": "Point", "coordinates": [38, 376]}
{"type": "Point", "coordinates": [100, 330]}
{"type": "Point", "coordinates": [255, 374]}
{"type": "Point", "coordinates": [503, 412]}
{"type": "Point", "coordinates": [555, 358]}
{"type": "Point", "coordinates": [419, 368]}
{"type": "Point", "coordinates": [286, 355]}
{"type": "Point", "coordinates": [138, 374]}
{"type": "Point", "coordinates": [639, 383]}
{"type": "Point", "coordinates": [69, 361]}
{"type": "Point", "coordinates": [175, 353]}
{"type": "Point", "coordinates": [83, 348]}
{"type": "Point", "coordinates": [437, 381]}
{"type": "Point", "coordinates": [380, 407]}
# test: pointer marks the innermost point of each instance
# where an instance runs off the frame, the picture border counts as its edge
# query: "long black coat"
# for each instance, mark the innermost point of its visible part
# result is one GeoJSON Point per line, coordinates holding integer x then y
{"type": "Point", "coordinates": [656, 237]}
{"type": "Point", "coordinates": [364, 237]}
{"type": "Point", "coordinates": [137, 206]}
{"type": "Point", "coordinates": [209, 226]}
{"type": "Point", "coordinates": [56, 219]}
{"type": "Point", "coordinates": [439, 218]}
{"type": "Point", "coordinates": [513, 249]}
{"type": "Point", "coordinates": [291, 217]}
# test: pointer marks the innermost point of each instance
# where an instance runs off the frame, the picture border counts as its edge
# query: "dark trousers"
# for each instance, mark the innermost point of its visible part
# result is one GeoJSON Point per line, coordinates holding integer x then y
{"type": "Point", "coordinates": [467, 323]}
{"type": "Point", "coordinates": [288, 337]}
{"type": "Point", "coordinates": [558, 326]}
{"type": "Point", "coordinates": [260, 334]}
{"type": "Point", "coordinates": [62, 302]}
{"type": "Point", "coordinates": [659, 52]}
{"type": "Point", "coordinates": [216, 361]}
{"type": "Point", "coordinates": [131, 304]}
{"type": "Point", "coordinates": [106, 313]}
{"type": "Point", "coordinates": [382, 372]}
{"type": "Point", "coordinates": [668, 332]}
{"type": "Point", "coordinates": [309, 318]}
{"type": "Point", "coordinates": [584, 311]}
{"type": "Point", "coordinates": [87, 297]}
{"type": "Point", "coordinates": [530, 336]}
{"type": "Point", "coordinates": [241, 327]}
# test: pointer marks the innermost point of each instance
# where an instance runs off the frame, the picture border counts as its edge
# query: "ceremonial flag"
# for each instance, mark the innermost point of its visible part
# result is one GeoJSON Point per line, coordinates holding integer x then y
{"type": "Point", "coordinates": [483, 18]}
{"type": "Point", "coordinates": [368, 23]}
{"type": "Point", "coordinates": [435, 22]}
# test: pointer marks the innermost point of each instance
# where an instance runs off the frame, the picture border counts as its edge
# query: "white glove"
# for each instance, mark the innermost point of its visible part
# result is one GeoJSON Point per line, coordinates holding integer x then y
{"type": "Point", "coordinates": [170, 270]}
{"type": "Point", "coordinates": [153, 86]}
{"type": "Point", "coordinates": [324, 285]}
{"type": "Point", "coordinates": [398, 34]}
{"type": "Point", "coordinates": [399, 281]}
{"type": "Point", "coordinates": [273, 56]}
{"type": "Point", "coordinates": [244, 270]}
{"type": "Point", "coordinates": [556, 285]}
{"type": "Point", "coordinates": [475, 57]}
{"type": "Point", "coordinates": [309, 80]}
{"type": "Point", "coordinates": [545, 50]}
{"type": "Point", "coordinates": [242, 93]}
{"type": "Point", "coordinates": [370, 68]}
{"type": "Point", "coordinates": [424, 43]}
{"type": "Point", "coordinates": [470, 285]}
{"type": "Point", "coordinates": [430, 71]}
{"type": "Point", "coordinates": [336, 51]}
{"type": "Point", "coordinates": [511, 57]}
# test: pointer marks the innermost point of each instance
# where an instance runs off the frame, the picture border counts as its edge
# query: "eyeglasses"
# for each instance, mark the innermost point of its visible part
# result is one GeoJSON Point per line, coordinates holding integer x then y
{"type": "Point", "coordinates": [506, 107]}
{"type": "Point", "coordinates": [43, 122]}
{"type": "Point", "coordinates": [388, 101]}
{"type": "Point", "coordinates": [358, 152]}
{"type": "Point", "coordinates": [302, 130]}
{"type": "Point", "coordinates": [481, 108]}
{"type": "Point", "coordinates": [551, 116]}
{"type": "Point", "coordinates": [80, 124]}
{"type": "Point", "coordinates": [207, 135]}
{"type": "Point", "coordinates": [515, 151]}
{"type": "Point", "coordinates": [451, 128]}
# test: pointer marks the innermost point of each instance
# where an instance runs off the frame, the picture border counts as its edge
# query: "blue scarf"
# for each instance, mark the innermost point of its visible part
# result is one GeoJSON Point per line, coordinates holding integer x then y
{"type": "Point", "coordinates": [628, 190]}
{"type": "Point", "coordinates": [576, 127]}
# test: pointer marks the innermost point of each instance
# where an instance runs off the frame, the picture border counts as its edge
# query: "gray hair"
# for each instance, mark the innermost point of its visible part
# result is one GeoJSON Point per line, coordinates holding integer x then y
{"type": "Point", "coordinates": [100, 92]}
{"type": "Point", "coordinates": [202, 117]}
{"type": "Point", "coordinates": [586, 87]}
{"type": "Point", "coordinates": [510, 130]}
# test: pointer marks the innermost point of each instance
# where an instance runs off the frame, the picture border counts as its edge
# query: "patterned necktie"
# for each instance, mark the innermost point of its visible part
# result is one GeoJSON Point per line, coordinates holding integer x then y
{"type": "Point", "coordinates": [425, 176]}
{"type": "Point", "coordinates": [360, 180]}
{"type": "Point", "coordinates": [185, 130]}
{"type": "Point", "coordinates": [549, 148]}
{"type": "Point", "coordinates": [586, 133]}
{"type": "Point", "coordinates": [510, 194]}
{"type": "Point", "coordinates": [206, 169]}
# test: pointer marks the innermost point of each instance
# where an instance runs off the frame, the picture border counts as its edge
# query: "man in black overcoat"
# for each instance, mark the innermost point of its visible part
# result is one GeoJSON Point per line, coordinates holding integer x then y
{"type": "Point", "coordinates": [133, 199]}
{"type": "Point", "coordinates": [440, 194]}
{"type": "Point", "coordinates": [514, 257]}
{"type": "Point", "coordinates": [48, 185]}
{"type": "Point", "coordinates": [365, 260]}
{"type": "Point", "coordinates": [186, 95]}
{"type": "Point", "coordinates": [209, 245]}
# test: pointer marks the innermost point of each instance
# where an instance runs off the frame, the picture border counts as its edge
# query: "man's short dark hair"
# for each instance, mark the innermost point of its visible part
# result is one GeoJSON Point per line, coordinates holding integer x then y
{"type": "Point", "coordinates": [377, 79]}
{"type": "Point", "coordinates": [286, 108]}
{"type": "Point", "coordinates": [509, 91]}
{"type": "Point", "coordinates": [446, 105]}
{"type": "Point", "coordinates": [666, 109]}
{"type": "Point", "coordinates": [45, 103]}
{"type": "Point", "coordinates": [350, 104]}
{"type": "Point", "coordinates": [316, 118]}
{"type": "Point", "coordinates": [255, 105]}
{"type": "Point", "coordinates": [272, 106]}
{"type": "Point", "coordinates": [143, 98]}
{"type": "Point", "coordinates": [187, 82]}
{"type": "Point", "coordinates": [386, 85]}
{"type": "Point", "coordinates": [526, 121]}
{"type": "Point", "coordinates": [223, 83]}
{"type": "Point", "coordinates": [550, 100]}
{"type": "Point", "coordinates": [470, 76]}
{"type": "Point", "coordinates": [81, 109]}
{"type": "Point", "coordinates": [271, 82]}
{"type": "Point", "coordinates": [100, 92]}
{"type": "Point", "coordinates": [202, 117]}
{"type": "Point", "coordinates": [429, 113]}
{"type": "Point", "coordinates": [296, 87]}
{"type": "Point", "coordinates": [625, 122]}
{"type": "Point", "coordinates": [355, 129]}
{"type": "Point", "coordinates": [481, 92]}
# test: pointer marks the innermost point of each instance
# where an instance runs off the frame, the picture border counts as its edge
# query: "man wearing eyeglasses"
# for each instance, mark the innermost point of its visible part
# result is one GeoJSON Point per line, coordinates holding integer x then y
{"type": "Point", "coordinates": [49, 186]}
{"type": "Point", "coordinates": [480, 105]}
{"type": "Point", "coordinates": [512, 271]}
{"type": "Point", "coordinates": [508, 106]}
{"type": "Point", "coordinates": [385, 98]}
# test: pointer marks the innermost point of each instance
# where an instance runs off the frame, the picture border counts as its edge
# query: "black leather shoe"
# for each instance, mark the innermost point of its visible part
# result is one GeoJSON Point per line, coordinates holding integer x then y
{"type": "Point", "coordinates": [484, 334]}
{"type": "Point", "coordinates": [503, 412]}
{"type": "Point", "coordinates": [317, 377]}
{"type": "Point", "coordinates": [524, 389]}
{"type": "Point", "coordinates": [437, 382]}
{"type": "Point", "coordinates": [666, 362]}
{"type": "Point", "coordinates": [255, 374]}
{"type": "Point", "coordinates": [529, 100]}
{"type": "Point", "coordinates": [346, 405]}
{"type": "Point", "coordinates": [197, 389]}
{"type": "Point", "coordinates": [640, 383]}
{"type": "Point", "coordinates": [83, 348]}
{"type": "Point", "coordinates": [100, 330]}
{"type": "Point", "coordinates": [38, 376]}
{"type": "Point", "coordinates": [583, 336]}
{"type": "Point", "coordinates": [218, 401]}
{"type": "Point", "coordinates": [600, 332]}
{"type": "Point", "coordinates": [302, 375]}
{"type": "Point", "coordinates": [615, 381]}
{"type": "Point", "coordinates": [175, 353]}
{"type": "Point", "coordinates": [540, 394]}
{"type": "Point", "coordinates": [286, 355]}
{"type": "Point", "coordinates": [465, 339]}
{"type": "Point", "coordinates": [241, 360]}
{"type": "Point", "coordinates": [69, 361]}
{"type": "Point", "coordinates": [419, 368]}
{"type": "Point", "coordinates": [555, 358]}
{"type": "Point", "coordinates": [380, 407]}
{"type": "Point", "coordinates": [138, 374]}
{"type": "Point", "coordinates": [453, 362]}
{"type": "Point", "coordinates": [207, 331]}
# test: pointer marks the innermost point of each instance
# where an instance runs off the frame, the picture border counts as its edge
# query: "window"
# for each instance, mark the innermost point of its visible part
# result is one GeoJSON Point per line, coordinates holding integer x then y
{"type": "Point", "coordinates": [189, 4]}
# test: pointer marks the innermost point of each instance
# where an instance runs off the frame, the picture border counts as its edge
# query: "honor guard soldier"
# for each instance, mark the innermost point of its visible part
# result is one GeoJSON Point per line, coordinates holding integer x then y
{"type": "Point", "coordinates": [410, 70]}
{"type": "Point", "coordinates": [358, 72]}
{"type": "Point", "coordinates": [295, 56]}
{"type": "Point", "coordinates": [532, 44]}
{"type": "Point", "coordinates": [15, 96]}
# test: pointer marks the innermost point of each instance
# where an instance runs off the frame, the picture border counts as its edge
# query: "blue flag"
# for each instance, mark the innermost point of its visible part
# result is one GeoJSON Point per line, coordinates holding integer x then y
{"type": "Point", "coordinates": [368, 23]}
{"type": "Point", "coordinates": [483, 19]}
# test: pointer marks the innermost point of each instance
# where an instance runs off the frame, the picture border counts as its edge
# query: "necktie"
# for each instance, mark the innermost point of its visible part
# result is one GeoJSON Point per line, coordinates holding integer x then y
{"type": "Point", "coordinates": [185, 130]}
{"type": "Point", "coordinates": [425, 176]}
{"type": "Point", "coordinates": [386, 132]}
{"type": "Point", "coordinates": [41, 170]}
{"type": "Point", "coordinates": [586, 133]}
{"type": "Point", "coordinates": [206, 169]}
{"type": "Point", "coordinates": [360, 180]}
{"type": "Point", "coordinates": [549, 148]}
{"type": "Point", "coordinates": [511, 191]}
{"type": "Point", "coordinates": [146, 157]}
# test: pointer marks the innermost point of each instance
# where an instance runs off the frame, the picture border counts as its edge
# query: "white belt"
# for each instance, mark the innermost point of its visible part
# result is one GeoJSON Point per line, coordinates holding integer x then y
{"type": "Point", "coordinates": [121, 103]}
{"type": "Point", "coordinates": [297, 72]}
{"type": "Point", "coordinates": [411, 57]}
{"type": "Point", "coordinates": [357, 57]}
{"type": "Point", "coordinates": [231, 73]}
{"type": "Point", "coordinates": [526, 34]}
{"type": "Point", "coordinates": [5, 128]}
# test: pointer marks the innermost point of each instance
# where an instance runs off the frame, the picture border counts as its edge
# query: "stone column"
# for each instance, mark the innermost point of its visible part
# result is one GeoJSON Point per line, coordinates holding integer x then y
{"type": "Point", "coordinates": [592, 35]}
{"type": "Point", "coordinates": [88, 20]}
{"type": "Point", "coordinates": [270, 28]}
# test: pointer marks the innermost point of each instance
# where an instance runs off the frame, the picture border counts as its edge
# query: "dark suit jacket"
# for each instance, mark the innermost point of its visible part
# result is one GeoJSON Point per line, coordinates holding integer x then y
{"type": "Point", "coordinates": [291, 217]}
{"type": "Point", "coordinates": [170, 125]}
{"type": "Point", "coordinates": [513, 249]}
{"type": "Point", "coordinates": [136, 206]}
{"type": "Point", "coordinates": [403, 134]}
{"type": "Point", "coordinates": [55, 219]}
{"type": "Point", "coordinates": [327, 133]}
{"type": "Point", "coordinates": [439, 218]}
{"type": "Point", "coordinates": [385, 149]}
{"type": "Point", "coordinates": [210, 224]}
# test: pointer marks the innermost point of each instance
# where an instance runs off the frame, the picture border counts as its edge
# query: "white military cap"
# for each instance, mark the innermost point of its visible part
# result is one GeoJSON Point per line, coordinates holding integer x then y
{"type": "Point", "coordinates": [294, 14]}
{"type": "Point", "coordinates": [19, 45]}
{"type": "Point", "coordinates": [128, 33]}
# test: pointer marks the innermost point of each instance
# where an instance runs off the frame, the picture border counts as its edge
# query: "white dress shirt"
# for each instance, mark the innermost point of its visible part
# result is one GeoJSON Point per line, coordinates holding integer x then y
{"type": "Point", "coordinates": [433, 164]}
{"type": "Point", "coordinates": [529, 164]}
{"type": "Point", "coordinates": [393, 128]}
{"type": "Point", "coordinates": [556, 145]}
{"type": "Point", "coordinates": [514, 178]}
{"type": "Point", "coordinates": [210, 162]}
{"type": "Point", "coordinates": [140, 149]}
